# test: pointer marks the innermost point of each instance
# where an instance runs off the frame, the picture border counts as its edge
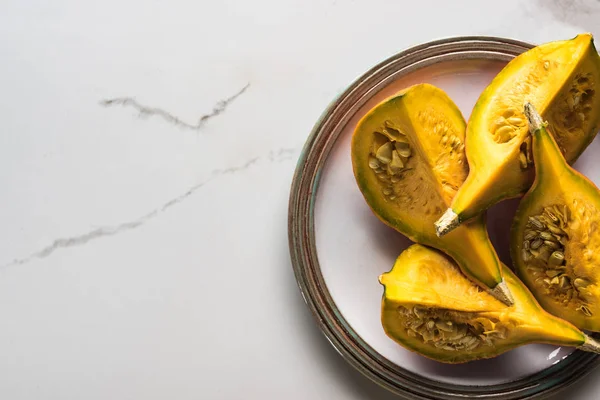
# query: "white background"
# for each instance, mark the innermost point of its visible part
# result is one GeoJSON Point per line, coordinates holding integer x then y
{"type": "Point", "coordinates": [140, 259]}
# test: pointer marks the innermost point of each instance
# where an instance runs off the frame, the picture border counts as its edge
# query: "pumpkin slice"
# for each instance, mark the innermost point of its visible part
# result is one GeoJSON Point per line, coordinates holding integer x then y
{"type": "Point", "coordinates": [409, 160]}
{"type": "Point", "coordinates": [555, 238]}
{"type": "Point", "coordinates": [431, 308]}
{"type": "Point", "coordinates": [562, 80]}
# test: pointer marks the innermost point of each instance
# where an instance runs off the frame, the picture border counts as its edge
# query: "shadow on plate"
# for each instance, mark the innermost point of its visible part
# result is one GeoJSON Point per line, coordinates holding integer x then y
{"type": "Point", "coordinates": [501, 365]}
{"type": "Point", "coordinates": [499, 220]}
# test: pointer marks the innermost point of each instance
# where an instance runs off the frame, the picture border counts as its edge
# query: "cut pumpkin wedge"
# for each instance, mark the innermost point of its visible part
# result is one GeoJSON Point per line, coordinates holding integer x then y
{"type": "Point", "coordinates": [430, 308]}
{"type": "Point", "coordinates": [555, 241]}
{"type": "Point", "coordinates": [409, 161]}
{"type": "Point", "coordinates": [562, 81]}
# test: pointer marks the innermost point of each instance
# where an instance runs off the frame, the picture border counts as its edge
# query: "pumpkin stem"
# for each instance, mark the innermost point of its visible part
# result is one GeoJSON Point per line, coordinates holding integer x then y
{"type": "Point", "coordinates": [590, 344]}
{"type": "Point", "coordinates": [446, 223]}
{"type": "Point", "coordinates": [549, 161]}
{"type": "Point", "coordinates": [502, 293]}
{"type": "Point", "coordinates": [534, 118]}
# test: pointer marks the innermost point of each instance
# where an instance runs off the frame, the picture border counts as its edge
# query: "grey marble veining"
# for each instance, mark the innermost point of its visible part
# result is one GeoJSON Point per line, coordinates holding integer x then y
{"type": "Point", "coordinates": [146, 111]}
{"type": "Point", "coordinates": [276, 156]}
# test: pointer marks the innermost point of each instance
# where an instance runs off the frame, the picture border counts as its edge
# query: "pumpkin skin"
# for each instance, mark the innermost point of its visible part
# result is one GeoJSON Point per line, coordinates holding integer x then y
{"type": "Point", "coordinates": [408, 160]}
{"type": "Point", "coordinates": [562, 80]}
{"type": "Point", "coordinates": [426, 289]}
{"type": "Point", "coordinates": [555, 240]}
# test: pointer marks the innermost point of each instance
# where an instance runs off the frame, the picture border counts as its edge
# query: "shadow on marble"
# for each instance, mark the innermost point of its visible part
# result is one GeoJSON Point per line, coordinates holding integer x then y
{"type": "Point", "coordinates": [580, 13]}
{"type": "Point", "coordinates": [326, 355]}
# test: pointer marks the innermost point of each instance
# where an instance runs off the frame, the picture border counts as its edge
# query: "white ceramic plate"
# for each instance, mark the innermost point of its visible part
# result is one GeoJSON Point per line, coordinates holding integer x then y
{"type": "Point", "coordinates": [347, 247]}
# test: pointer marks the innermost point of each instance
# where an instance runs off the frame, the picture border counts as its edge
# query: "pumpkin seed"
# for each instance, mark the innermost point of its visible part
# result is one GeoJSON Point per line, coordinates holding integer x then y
{"type": "Point", "coordinates": [546, 235]}
{"type": "Point", "coordinates": [474, 345]}
{"type": "Point", "coordinates": [556, 259]}
{"type": "Point", "coordinates": [536, 223]}
{"type": "Point", "coordinates": [461, 332]}
{"type": "Point", "coordinates": [581, 283]}
{"type": "Point", "coordinates": [555, 230]}
{"type": "Point", "coordinates": [427, 336]}
{"type": "Point", "coordinates": [585, 310]}
{"type": "Point", "coordinates": [509, 112]}
{"type": "Point", "coordinates": [544, 254]}
{"type": "Point", "coordinates": [419, 311]}
{"type": "Point", "coordinates": [384, 153]}
{"type": "Point", "coordinates": [515, 121]}
{"type": "Point", "coordinates": [444, 326]}
{"type": "Point", "coordinates": [564, 282]}
{"type": "Point", "coordinates": [405, 152]}
{"type": "Point", "coordinates": [403, 149]}
{"type": "Point", "coordinates": [549, 212]}
{"type": "Point", "coordinates": [523, 160]}
{"type": "Point", "coordinates": [536, 244]}
{"type": "Point", "coordinates": [396, 165]}
{"type": "Point", "coordinates": [373, 163]}
{"type": "Point", "coordinates": [392, 133]}
{"type": "Point", "coordinates": [504, 134]}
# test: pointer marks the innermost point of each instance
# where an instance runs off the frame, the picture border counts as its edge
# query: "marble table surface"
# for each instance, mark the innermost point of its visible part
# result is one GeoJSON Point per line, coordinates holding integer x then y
{"type": "Point", "coordinates": [147, 150]}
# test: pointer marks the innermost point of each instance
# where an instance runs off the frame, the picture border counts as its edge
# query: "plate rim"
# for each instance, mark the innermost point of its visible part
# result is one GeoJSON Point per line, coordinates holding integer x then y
{"type": "Point", "coordinates": [302, 246]}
